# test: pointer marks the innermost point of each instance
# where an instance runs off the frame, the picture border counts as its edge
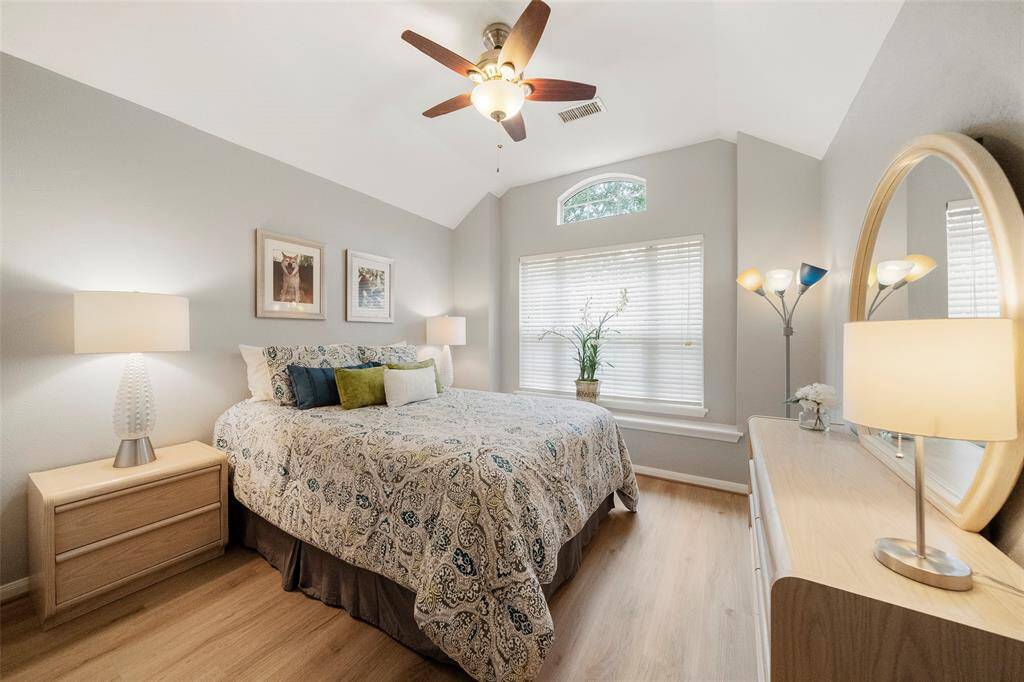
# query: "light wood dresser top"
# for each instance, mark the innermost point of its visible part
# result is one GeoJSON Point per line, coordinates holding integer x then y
{"type": "Point", "coordinates": [825, 500]}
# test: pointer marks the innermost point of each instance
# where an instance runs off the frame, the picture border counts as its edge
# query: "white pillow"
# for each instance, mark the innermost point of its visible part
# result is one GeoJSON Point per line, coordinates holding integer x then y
{"type": "Point", "coordinates": [257, 372]}
{"type": "Point", "coordinates": [404, 386]}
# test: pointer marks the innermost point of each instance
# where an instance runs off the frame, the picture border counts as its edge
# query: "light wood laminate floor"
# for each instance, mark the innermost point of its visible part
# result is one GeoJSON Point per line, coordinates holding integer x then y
{"type": "Point", "coordinates": [662, 595]}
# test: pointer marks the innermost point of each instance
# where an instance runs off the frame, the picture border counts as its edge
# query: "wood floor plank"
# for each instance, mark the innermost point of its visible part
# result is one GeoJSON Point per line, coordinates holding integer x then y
{"type": "Point", "coordinates": [662, 595]}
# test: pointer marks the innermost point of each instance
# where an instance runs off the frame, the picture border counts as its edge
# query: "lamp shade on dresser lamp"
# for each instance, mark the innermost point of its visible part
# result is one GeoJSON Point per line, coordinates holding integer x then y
{"type": "Point", "coordinates": [942, 378]}
{"type": "Point", "coordinates": [134, 323]}
{"type": "Point", "coordinates": [446, 331]}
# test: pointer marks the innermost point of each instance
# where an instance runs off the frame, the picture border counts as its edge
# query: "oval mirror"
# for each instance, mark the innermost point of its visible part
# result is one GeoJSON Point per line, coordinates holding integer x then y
{"type": "Point", "coordinates": [943, 237]}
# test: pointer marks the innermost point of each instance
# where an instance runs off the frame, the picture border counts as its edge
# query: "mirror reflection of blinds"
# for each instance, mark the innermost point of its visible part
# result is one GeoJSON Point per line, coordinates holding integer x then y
{"type": "Point", "coordinates": [973, 285]}
{"type": "Point", "coordinates": [658, 354]}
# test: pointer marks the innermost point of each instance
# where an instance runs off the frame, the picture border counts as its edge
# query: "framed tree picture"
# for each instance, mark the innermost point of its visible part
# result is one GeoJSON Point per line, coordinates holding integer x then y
{"type": "Point", "coordinates": [289, 277]}
{"type": "Point", "coordinates": [369, 280]}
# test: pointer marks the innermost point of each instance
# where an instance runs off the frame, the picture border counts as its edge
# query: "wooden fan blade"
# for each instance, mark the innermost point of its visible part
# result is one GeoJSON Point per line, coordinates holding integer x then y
{"type": "Point", "coordinates": [523, 38]}
{"type": "Point", "coordinates": [515, 127]}
{"type": "Point", "coordinates": [552, 90]}
{"type": "Point", "coordinates": [459, 65]}
{"type": "Point", "coordinates": [448, 106]}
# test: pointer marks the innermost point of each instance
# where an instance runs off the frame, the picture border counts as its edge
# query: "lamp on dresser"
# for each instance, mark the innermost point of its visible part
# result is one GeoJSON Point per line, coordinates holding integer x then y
{"type": "Point", "coordinates": [446, 331]}
{"type": "Point", "coordinates": [892, 381]}
{"type": "Point", "coordinates": [134, 323]}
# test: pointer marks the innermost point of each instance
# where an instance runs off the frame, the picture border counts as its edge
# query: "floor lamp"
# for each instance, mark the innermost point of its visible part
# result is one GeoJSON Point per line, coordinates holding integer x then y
{"type": "Point", "coordinates": [778, 282]}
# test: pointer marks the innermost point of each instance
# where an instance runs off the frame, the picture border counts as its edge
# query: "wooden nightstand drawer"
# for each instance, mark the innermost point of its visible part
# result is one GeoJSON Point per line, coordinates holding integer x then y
{"type": "Point", "coordinates": [95, 518]}
{"type": "Point", "coordinates": [98, 533]}
{"type": "Point", "coordinates": [106, 562]}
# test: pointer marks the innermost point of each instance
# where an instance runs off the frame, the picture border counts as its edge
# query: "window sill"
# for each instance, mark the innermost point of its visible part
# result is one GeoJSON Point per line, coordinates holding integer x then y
{"type": "Point", "coordinates": [626, 405]}
{"type": "Point", "coordinates": [674, 424]}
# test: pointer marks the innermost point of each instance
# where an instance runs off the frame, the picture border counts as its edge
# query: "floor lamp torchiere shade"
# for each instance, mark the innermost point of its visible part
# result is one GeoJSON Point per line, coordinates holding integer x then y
{"type": "Point", "coordinates": [134, 323]}
{"type": "Point", "coordinates": [778, 282]}
{"type": "Point", "coordinates": [941, 378]}
{"type": "Point", "coordinates": [446, 331]}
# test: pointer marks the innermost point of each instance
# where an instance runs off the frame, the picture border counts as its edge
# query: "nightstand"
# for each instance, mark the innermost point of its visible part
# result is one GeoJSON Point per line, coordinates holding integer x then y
{"type": "Point", "coordinates": [97, 533]}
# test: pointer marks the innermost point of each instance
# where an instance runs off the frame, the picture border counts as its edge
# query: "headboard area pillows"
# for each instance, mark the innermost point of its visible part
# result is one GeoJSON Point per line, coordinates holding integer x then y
{"type": "Point", "coordinates": [257, 372]}
{"type": "Point", "coordinates": [387, 354]}
{"type": "Point", "coordinates": [429, 362]}
{"type": "Point", "coordinates": [360, 387]}
{"type": "Point", "coordinates": [327, 356]}
{"type": "Point", "coordinates": [316, 386]}
{"type": "Point", "coordinates": [404, 386]}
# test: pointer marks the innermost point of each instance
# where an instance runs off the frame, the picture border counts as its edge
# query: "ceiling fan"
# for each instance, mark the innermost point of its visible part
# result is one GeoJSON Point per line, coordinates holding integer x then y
{"type": "Point", "coordinates": [501, 86]}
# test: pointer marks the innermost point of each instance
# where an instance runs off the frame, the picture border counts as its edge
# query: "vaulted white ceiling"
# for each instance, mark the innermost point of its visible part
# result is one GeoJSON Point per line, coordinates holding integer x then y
{"type": "Point", "coordinates": [330, 87]}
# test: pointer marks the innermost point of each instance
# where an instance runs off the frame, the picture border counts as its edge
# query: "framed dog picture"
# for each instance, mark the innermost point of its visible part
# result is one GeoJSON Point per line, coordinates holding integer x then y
{"type": "Point", "coordinates": [370, 296]}
{"type": "Point", "coordinates": [289, 277]}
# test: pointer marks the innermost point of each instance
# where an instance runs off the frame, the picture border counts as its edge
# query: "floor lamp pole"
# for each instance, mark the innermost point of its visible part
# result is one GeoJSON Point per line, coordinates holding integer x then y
{"type": "Point", "coordinates": [787, 331]}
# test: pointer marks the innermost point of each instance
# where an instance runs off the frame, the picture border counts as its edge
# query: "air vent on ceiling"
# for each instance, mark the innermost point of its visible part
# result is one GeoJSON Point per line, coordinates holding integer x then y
{"type": "Point", "coordinates": [594, 106]}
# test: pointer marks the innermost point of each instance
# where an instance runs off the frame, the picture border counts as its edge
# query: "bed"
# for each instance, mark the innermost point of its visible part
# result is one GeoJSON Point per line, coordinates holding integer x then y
{"type": "Point", "coordinates": [466, 502]}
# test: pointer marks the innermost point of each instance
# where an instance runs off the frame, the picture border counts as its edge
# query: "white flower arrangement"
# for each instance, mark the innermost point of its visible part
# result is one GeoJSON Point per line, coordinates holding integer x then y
{"type": "Point", "coordinates": [814, 396]}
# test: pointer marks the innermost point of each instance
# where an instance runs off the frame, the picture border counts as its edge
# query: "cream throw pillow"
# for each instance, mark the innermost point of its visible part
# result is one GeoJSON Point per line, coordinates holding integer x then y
{"type": "Point", "coordinates": [404, 386]}
{"type": "Point", "coordinates": [257, 372]}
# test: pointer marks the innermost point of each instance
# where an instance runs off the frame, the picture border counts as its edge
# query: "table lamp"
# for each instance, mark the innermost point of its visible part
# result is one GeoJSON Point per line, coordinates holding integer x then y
{"type": "Point", "coordinates": [946, 378]}
{"type": "Point", "coordinates": [446, 331]}
{"type": "Point", "coordinates": [130, 322]}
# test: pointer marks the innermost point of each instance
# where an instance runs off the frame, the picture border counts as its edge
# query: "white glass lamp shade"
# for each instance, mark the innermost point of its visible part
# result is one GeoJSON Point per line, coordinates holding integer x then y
{"type": "Point", "coordinates": [130, 322]}
{"type": "Point", "coordinates": [944, 378]}
{"type": "Point", "coordinates": [446, 331]}
{"type": "Point", "coordinates": [498, 99]}
{"type": "Point", "coordinates": [889, 272]}
{"type": "Point", "coordinates": [778, 280]}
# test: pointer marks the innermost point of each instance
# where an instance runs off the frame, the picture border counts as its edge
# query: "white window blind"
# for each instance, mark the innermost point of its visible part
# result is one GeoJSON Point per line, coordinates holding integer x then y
{"type": "Point", "coordinates": [973, 284]}
{"type": "Point", "coordinates": [658, 354]}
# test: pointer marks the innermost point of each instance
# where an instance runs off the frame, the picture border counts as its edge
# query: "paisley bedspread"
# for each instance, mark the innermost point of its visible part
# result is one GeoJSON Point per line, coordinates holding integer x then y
{"type": "Point", "coordinates": [464, 499]}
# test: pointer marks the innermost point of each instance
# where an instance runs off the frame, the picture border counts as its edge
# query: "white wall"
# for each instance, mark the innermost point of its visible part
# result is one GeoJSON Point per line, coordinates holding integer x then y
{"type": "Point", "coordinates": [778, 222]}
{"type": "Point", "coordinates": [943, 67]}
{"type": "Point", "coordinates": [99, 193]}
{"type": "Point", "coordinates": [475, 282]}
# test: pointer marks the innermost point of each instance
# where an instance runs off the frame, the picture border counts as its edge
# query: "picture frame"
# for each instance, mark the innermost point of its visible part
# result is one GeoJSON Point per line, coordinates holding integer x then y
{"type": "Point", "coordinates": [289, 277]}
{"type": "Point", "coordinates": [369, 283]}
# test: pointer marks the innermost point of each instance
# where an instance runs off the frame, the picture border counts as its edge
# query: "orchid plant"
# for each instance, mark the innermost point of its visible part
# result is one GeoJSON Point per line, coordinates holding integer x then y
{"type": "Point", "coordinates": [587, 337]}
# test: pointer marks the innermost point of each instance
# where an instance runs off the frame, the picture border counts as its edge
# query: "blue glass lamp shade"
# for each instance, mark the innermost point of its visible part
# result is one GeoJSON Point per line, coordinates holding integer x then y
{"type": "Point", "coordinates": [810, 275]}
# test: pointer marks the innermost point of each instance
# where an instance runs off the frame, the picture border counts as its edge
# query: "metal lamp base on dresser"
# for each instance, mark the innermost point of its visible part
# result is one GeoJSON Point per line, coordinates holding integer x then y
{"type": "Point", "coordinates": [98, 533]}
{"type": "Point", "coordinates": [827, 609]}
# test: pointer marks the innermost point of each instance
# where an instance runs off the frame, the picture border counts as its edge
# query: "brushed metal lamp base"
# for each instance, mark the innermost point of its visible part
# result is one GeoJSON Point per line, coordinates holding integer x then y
{"type": "Point", "coordinates": [133, 452]}
{"type": "Point", "coordinates": [935, 568]}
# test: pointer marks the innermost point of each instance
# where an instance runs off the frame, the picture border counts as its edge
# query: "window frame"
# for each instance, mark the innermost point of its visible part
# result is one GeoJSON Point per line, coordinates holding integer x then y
{"type": "Point", "coordinates": [596, 180]}
{"type": "Point", "coordinates": [622, 406]}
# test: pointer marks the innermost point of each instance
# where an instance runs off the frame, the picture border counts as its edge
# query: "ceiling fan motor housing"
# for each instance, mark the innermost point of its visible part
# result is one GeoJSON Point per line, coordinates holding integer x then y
{"type": "Point", "coordinates": [495, 35]}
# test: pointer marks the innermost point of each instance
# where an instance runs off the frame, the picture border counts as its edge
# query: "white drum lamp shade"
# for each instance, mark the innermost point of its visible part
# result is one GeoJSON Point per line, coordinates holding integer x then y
{"type": "Point", "coordinates": [446, 331]}
{"type": "Point", "coordinates": [946, 378]}
{"type": "Point", "coordinates": [135, 323]}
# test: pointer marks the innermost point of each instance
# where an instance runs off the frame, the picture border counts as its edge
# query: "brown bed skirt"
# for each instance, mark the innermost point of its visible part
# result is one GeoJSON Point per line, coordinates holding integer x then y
{"type": "Point", "coordinates": [366, 595]}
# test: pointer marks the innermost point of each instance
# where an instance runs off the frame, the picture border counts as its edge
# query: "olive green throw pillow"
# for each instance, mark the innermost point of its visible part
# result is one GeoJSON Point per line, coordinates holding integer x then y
{"type": "Point", "coordinates": [360, 387]}
{"type": "Point", "coordinates": [419, 365]}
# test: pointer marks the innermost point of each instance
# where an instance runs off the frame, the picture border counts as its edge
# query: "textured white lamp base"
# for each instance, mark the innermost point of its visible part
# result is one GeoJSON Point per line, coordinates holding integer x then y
{"type": "Point", "coordinates": [134, 415]}
{"type": "Point", "coordinates": [445, 367]}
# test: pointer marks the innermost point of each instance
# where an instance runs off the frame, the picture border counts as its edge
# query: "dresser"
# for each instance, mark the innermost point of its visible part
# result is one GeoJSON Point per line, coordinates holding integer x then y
{"type": "Point", "coordinates": [827, 610]}
{"type": "Point", "coordinates": [97, 533]}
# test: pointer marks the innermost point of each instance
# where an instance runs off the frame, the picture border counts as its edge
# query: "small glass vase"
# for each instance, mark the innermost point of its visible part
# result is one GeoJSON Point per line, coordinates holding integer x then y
{"type": "Point", "coordinates": [815, 418]}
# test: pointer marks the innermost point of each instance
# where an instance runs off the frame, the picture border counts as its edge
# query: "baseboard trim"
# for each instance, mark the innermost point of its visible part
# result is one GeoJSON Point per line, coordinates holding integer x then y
{"type": "Point", "coordinates": [13, 590]}
{"type": "Point", "coordinates": [717, 484]}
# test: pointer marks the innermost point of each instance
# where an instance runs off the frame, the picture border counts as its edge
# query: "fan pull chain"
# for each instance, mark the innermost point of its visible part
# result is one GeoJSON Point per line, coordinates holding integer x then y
{"type": "Point", "coordinates": [497, 155]}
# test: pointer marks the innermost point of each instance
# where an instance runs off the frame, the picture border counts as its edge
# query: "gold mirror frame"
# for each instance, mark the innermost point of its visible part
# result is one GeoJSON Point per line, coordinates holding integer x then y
{"type": "Point", "coordinates": [1001, 462]}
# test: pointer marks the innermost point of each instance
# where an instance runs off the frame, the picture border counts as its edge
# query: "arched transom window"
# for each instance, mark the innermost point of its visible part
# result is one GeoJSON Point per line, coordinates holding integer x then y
{"type": "Point", "coordinates": [602, 196]}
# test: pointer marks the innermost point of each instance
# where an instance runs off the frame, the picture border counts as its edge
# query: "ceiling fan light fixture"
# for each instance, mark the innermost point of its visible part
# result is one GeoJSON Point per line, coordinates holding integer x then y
{"type": "Point", "coordinates": [508, 71]}
{"type": "Point", "coordinates": [498, 99]}
{"type": "Point", "coordinates": [476, 77]}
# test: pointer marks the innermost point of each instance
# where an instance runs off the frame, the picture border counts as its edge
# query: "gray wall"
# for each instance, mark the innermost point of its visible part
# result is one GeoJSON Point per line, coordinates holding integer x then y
{"type": "Point", "coordinates": [778, 226]}
{"type": "Point", "coordinates": [476, 266]}
{"type": "Point", "coordinates": [690, 190]}
{"type": "Point", "coordinates": [943, 67]}
{"type": "Point", "coordinates": [102, 194]}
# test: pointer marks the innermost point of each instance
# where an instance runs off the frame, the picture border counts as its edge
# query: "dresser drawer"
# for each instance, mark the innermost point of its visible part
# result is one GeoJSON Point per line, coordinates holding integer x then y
{"type": "Point", "coordinates": [91, 567]}
{"type": "Point", "coordinates": [96, 518]}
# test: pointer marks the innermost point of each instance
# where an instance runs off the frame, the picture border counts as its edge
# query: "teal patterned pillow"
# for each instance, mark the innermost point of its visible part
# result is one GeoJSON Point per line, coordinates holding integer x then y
{"type": "Point", "coordinates": [279, 357]}
{"type": "Point", "coordinates": [387, 355]}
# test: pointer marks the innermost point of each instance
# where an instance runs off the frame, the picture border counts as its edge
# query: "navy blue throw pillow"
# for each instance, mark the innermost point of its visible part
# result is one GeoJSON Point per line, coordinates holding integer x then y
{"type": "Point", "coordinates": [315, 386]}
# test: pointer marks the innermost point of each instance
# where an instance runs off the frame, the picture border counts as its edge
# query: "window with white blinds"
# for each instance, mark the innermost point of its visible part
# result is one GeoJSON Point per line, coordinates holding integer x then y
{"type": "Point", "coordinates": [658, 352]}
{"type": "Point", "coordinates": [973, 284]}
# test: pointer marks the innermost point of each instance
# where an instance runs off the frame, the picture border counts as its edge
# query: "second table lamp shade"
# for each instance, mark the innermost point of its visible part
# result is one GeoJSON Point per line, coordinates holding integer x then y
{"type": "Point", "coordinates": [945, 378]}
{"type": "Point", "coordinates": [446, 331]}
